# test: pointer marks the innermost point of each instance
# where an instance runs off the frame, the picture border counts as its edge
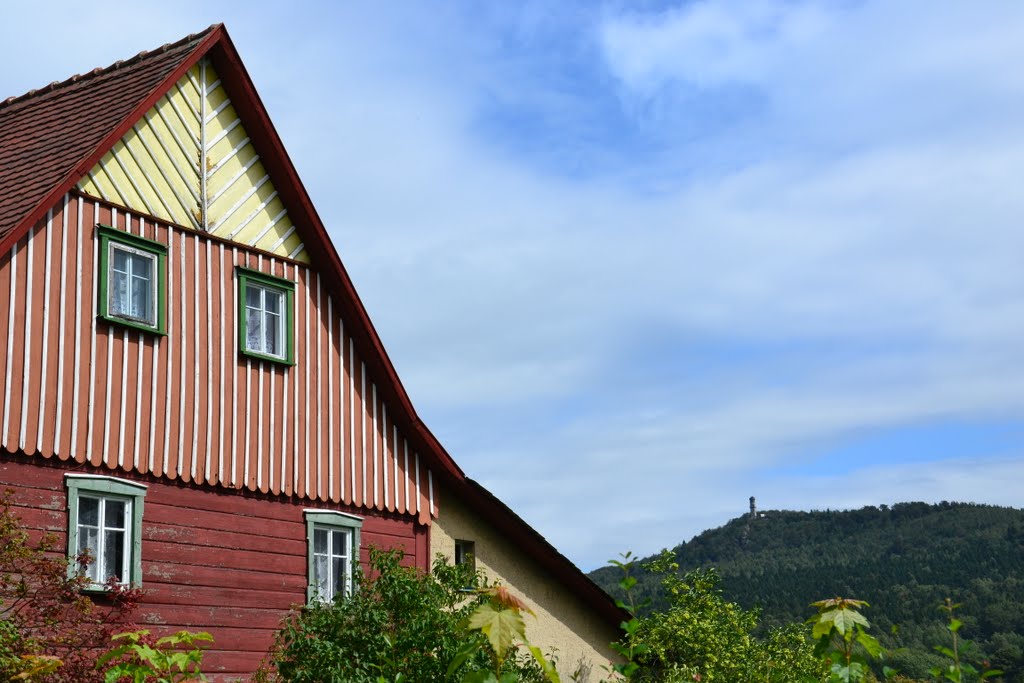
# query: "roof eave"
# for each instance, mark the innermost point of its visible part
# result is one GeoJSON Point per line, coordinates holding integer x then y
{"type": "Point", "coordinates": [524, 536]}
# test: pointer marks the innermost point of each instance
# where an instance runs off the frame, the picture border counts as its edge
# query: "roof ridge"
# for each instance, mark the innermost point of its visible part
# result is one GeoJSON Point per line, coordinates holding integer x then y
{"type": "Point", "coordinates": [101, 71]}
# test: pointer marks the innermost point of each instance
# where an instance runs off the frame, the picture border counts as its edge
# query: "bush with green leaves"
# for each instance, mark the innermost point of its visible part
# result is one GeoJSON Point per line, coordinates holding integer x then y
{"type": "Point", "coordinates": [399, 624]}
{"type": "Point", "coordinates": [703, 637]}
{"type": "Point", "coordinates": [843, 642]}
{"type": "Point", "coordinates": [499, 620]}
{"type": "Point", "coordinates": [138, 657]}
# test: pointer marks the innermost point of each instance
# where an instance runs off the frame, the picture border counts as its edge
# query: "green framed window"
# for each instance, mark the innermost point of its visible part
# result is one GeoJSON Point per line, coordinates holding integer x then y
{"type": "Point", "coordinates": [132, 280]}
{"type": "Point", "coordinates": [333, 551]}
{"type": "Point", "coordinates": [266, 316]}
{"type": "Point", "coordinates": [105, 523]}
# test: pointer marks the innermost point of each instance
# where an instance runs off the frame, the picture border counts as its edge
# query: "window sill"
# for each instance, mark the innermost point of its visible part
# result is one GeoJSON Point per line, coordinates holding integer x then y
{"type": "Point", "coordinates": [131, 324]}
{"type": "Point", "coordinates": [277, 360]}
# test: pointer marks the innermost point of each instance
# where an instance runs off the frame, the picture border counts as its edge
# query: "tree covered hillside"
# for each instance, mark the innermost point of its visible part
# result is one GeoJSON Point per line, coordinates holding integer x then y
{"type": "Point", "coordinates": [904, 560]}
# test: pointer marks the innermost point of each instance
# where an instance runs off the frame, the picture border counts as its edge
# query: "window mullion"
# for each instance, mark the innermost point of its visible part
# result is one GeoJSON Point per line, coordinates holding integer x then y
{"type": "Point", "coordinates": [332, 580]}
{"type": "Point", "coordinates": [101, 539]}
{"type": "Point", "coordinates": [130, 303]}
{"type": "Point", "coordinates": [125, 545]}
{"type": "Point", "coordinates": [263, 318]}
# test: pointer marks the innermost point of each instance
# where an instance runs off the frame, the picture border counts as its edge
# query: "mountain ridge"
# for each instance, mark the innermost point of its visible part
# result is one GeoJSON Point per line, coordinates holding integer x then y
{"type": "Point", "coordinates": [904, 559]}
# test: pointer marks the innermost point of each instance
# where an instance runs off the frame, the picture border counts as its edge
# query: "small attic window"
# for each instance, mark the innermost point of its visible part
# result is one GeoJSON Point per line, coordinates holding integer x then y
{"type": "Point", "coordinates": [465, 553]}
{"type": "Point", "coordinates": [266, 316]}
{"type": "Point", "coordinates": [132, 277]}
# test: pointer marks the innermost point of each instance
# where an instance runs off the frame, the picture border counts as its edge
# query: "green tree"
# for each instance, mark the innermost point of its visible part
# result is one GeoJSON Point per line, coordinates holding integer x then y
{"type": "Point", "coordinates": [704, 637]}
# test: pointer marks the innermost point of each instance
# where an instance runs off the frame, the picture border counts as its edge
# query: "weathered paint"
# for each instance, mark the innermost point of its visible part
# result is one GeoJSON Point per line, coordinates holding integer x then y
{"type": "Point", "coordinates": [563, 621]}
{"type": "Point", "coordinates": [190, 162]}
{"type": "Point", "coordinates": [187, 405]}
{"type": "Point", "coordinates": [229, 562]}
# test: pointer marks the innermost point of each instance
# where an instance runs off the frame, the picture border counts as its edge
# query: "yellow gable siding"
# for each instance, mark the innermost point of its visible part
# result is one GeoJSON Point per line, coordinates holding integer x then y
{"type": "Point", "coordinates": [189, 161]}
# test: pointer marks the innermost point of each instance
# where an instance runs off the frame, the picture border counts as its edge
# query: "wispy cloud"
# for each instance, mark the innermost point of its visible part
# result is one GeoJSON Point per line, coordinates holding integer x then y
{"type": "Point", "coordinates": [637, 265]}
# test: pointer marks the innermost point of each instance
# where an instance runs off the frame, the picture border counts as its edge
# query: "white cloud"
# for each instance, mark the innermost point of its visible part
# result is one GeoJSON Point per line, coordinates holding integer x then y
{"type": "Point", "coordinates": [711, 43]}
{"type": "Point", "coordinates": [622, 356]}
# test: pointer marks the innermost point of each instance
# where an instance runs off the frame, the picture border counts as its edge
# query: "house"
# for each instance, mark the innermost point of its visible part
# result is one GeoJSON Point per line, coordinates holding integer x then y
{"type": "Point", "coordinates": [190, 388]}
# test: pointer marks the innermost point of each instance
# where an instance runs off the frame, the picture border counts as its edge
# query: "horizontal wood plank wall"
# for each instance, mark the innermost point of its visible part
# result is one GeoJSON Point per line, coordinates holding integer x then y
{"type": "Point", "coordinates": [228, 562]}
{"type": "Point", "coordinates": [187, 405]}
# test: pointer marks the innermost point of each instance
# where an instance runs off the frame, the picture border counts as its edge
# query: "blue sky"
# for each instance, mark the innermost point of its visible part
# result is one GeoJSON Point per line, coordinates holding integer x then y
{"type": "Point", "coordinates": [636, 262]}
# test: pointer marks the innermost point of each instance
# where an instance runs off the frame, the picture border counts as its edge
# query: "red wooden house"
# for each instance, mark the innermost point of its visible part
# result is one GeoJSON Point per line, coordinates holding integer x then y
{"type": "Point", "coordinates": [190, 388]}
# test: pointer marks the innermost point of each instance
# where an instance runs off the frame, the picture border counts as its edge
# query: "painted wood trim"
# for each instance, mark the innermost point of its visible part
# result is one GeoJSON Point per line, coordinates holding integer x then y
{"type": "Point", "coordinates": [109, 235]}
{"type": "Point", "coordinates": [287, 287]}
{"type": "Point", "coordinates": [337, 520]}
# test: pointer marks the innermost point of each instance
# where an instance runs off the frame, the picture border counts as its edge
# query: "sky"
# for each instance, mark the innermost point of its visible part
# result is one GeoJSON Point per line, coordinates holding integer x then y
{"type": "Point", "coordinates": [636, 262]}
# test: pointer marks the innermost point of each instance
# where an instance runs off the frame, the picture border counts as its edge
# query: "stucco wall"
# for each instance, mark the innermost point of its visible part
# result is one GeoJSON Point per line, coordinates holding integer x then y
{"type": "Point", "coordinates": [563, 621]}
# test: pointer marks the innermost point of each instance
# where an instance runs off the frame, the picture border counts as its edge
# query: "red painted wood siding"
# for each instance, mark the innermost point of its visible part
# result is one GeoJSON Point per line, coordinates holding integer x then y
{"type": "Point", "coordinates": [187, 406]}
{"type": "Point", "coordinates": [228, 562]}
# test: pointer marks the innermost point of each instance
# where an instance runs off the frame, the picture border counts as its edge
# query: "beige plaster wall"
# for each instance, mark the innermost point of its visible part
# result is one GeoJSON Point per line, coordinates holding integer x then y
{"type": "Point", "coordinates": [563, 621]}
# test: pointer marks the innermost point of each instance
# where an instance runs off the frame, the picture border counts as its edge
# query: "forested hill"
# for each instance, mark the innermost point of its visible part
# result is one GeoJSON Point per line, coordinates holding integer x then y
{"type": "Point", "coordinates": [903, 559]}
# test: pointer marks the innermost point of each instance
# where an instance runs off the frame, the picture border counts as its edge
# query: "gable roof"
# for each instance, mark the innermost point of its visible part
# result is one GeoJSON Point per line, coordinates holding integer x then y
{"type": "Point", "coordinates": [51, 137]}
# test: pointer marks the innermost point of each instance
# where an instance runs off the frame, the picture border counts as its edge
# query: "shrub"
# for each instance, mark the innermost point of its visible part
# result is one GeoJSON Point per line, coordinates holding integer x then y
{"type": "Point", "coordinates": [50, 631]}
{"type": "Point", "coordinates": [399, 624]}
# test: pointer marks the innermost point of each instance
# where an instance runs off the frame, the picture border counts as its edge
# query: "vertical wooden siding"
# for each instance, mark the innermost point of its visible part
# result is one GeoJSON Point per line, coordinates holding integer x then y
{"type": "Point", "coordinates": [187, 405]}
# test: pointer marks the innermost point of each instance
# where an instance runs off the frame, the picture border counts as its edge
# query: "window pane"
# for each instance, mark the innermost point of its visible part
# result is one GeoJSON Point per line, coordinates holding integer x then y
{"type": "Point", "coordinates": [142, 267]}
{"type": "Point", "coordinates": [88, 511]}
{"type": "Point", "coordinates": [113, 555]}
{"type": "Point", "coordinates": [115, 513]}
{"type": "Point", "coordinates": [253, 334]}
{"type": "Point", "coordinates": [119, 293]}
{"type": "Point", "coordinates": [139, 302]}
{"type": "Point", "coordinates": [141, 287]}
{"type": "Point", "coordinates": [339, 576]}
{"type": "Point", "coordinates": [320, 541]}
{"type": "Point", "coordinates": [89, 543]}
{"type": "Point", "coordinates": [271, 344]}
{"type": "Point", "coordinates": [121, 258]}
{"type": "Point", "coordinates": [321, 578]}
{"type": "Point", "coordinates": [252, 297]}
{"type": "Point", "coordinates": [273, 300]}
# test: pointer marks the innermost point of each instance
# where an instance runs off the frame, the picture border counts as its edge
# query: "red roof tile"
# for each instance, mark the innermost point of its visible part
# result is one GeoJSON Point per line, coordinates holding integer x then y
{"type": "Point", "coordinates": [46, 134]}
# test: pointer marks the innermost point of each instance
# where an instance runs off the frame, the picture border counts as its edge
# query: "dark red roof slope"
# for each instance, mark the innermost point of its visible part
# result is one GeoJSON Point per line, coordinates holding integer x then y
{"type": "Point", "coordinates": [46, 134]}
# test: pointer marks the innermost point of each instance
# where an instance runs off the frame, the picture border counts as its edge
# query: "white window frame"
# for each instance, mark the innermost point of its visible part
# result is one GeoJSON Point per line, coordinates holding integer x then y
{"type": "Point", "coordinates": [103, 488]}
{"type": "Point", "coordinates": [154, 261]}
{"type": "Point", "coordinates": [264, 314]}
{"type": "Point", "coordinates": [331, 521]}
